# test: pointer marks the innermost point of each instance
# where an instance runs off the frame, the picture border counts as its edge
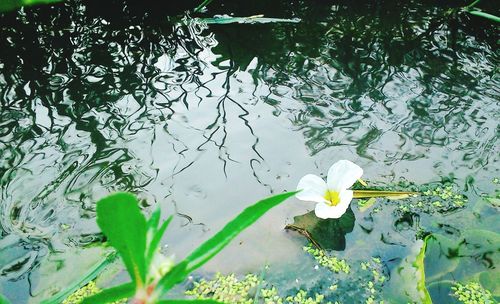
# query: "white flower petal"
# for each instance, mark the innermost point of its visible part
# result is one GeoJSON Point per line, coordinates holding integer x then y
{"type": "Point", "coordinates": [313, 189]}
{"type": "Point", "coordinates": [345, 199]}
{"type": "Point", "coordinates": [325, 211]}
{"type": "Point", "coordinates": [343, 174]}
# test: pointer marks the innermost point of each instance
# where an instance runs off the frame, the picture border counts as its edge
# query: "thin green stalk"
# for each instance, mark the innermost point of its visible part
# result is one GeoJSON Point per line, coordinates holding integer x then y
{"type": "Point", "coordinates": [205, 3]}
{"type": "Point", "coordinates": [473, 4]}
{"type": "Point", "coordinates": [89, 276]}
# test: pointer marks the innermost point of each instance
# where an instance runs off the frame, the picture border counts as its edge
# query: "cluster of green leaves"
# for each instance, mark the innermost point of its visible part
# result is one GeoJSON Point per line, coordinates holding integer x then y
{"type": "Point", "coordinates": [137, 241]}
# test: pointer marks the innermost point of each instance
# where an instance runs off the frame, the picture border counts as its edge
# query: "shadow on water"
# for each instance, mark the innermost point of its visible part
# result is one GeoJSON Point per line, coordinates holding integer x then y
{"type": "Point", "coordinates": [95, 101]}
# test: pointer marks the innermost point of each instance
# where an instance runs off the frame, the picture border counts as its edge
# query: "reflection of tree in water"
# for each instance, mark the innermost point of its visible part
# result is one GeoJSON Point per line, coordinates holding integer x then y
{"type": "Point", "coordinates": [78, 85]}
{"type": "Point", "coordinates": [353, 74]}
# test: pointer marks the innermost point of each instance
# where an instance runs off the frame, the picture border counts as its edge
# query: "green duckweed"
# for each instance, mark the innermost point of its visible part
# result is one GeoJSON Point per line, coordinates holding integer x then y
{"type": "Point", "coordinates": [442, 198]}
{"type": "Point", "coordinates": [330, 262]}
{"type": "Point", "coordinates": [227, 289]}
{"type": "Point", "coordinates": [472, 293]}
{"type": "Point", "coordinates": [86, 291]}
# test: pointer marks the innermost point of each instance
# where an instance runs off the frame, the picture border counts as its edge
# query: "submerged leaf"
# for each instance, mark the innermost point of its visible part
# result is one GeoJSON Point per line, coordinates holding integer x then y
{"type": "Point", "coordinates": [121, 220]}
{"type": "Point", "coordinates": [407, 283]}
{"type": "Point", "coordinates": [328, 234]}
{"type": "Point", "coordinates": [419, 265]}
{"type": "Point", "coordinates": [490, 280]}
{"type": "Point", "coordinates": [441, 258]}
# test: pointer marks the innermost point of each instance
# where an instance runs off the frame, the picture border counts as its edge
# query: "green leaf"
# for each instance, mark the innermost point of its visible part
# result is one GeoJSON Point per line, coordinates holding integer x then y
{"type": "Point", "coordinates": [7, 5]}
{"type": "Point", "coordinates": [155, 241]}
{"type": "Point", "coordinates": [112, 294]}
{"type": "Point", "coordinates": [121, 220]}
{"type": "Point", "coordinates": [407, 283]}
{"type": "Point", "coordinates": [176, 275]}
{"type": "Point", "coordinates": [419, 265]}
{"type": "Point", "coordinates": [215, 244]}
{"type": "Point", "coordinates": [188, 301]}
{"type": "Point", "coordinates": [3, 300]}
{"type": "Point", "coordinates": [485, 15]}
{"type": "Point", "coordinates": [441, 257]}
{"type": "Point", "coordinates": [489, 279]}
{"type": "Point", "coordinates": [89, 276]}
{"type": "Point", "coordinates": [250, 215]}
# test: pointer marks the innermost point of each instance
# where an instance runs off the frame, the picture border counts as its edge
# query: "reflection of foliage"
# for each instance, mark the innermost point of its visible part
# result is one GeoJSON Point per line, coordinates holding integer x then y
{"type": "Point", "coordinates": [361, 73]}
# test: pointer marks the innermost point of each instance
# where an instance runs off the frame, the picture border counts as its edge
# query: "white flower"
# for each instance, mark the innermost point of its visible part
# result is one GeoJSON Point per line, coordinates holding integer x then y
{"type": "Point", "coordinates": [332, 197]}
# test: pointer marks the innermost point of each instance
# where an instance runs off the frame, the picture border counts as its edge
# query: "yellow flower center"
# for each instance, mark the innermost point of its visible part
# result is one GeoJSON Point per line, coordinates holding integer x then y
{"type": "Point", "coordinates": [333, 197]}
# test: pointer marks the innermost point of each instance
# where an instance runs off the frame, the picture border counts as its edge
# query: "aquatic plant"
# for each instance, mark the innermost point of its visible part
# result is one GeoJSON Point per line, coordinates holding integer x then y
{"type": "Point", "coordinates": [86, 291]}
{"type": "Point", "coordinates": [153, 274]}
{"type": "Point", "coordinates": [330, 262]}
{"type": "Point", "coordinates": [473, 10]}
{"type": "Point", "coordinates": [368, 278]}
{"type": "Point", "coordinates": [332, 197]}
{"type": "Point", "coordinates": [229, 289]}
{"type": "Point", "coordinates": [440, 198]}
{"type": "Point", "coordinates": [472, 293]}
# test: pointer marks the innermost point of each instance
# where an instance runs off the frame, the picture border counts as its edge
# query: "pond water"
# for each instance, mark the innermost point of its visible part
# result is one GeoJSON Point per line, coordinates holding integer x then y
{"type": "Point", "coordinates": [203, 120]}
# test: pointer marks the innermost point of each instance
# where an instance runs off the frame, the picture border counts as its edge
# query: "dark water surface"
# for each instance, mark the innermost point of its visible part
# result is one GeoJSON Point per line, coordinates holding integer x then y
{"type": "Point", "coordinates": [204, 120]}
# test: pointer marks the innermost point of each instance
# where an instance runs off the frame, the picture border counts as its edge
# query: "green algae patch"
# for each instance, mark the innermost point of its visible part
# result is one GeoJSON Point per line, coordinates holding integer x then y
{"type": "Point", "coordinates": [472, 293]}
{"type": "Point", "coordinates": [84, 292]}
{"type": "Point", "coordinates": [364, 281]}
{"type": "Point", "coordinates": [227, 289]}
{"type": "Point", "coordinates": [327, 261]}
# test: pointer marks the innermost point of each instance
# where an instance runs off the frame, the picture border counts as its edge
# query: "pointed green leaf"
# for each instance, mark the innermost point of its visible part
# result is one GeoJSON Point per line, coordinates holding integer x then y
{"type": "Point", "coordinates": [116, 293]}
{"type": "Point", "coordinates": [121, 220]}
{"type": "Point", "coordinates": [3, 300]}
{"type": "Point", "coordinates": [155, 241]}
{"type": "Point", "coordinates": [215, 244]}
{"type": "Point", "coordinates": [249, 216]}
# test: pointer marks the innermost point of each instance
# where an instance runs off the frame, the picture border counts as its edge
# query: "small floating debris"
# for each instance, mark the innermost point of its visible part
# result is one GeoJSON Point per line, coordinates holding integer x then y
{"type": "Point", "coordinates": [226, 19]}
